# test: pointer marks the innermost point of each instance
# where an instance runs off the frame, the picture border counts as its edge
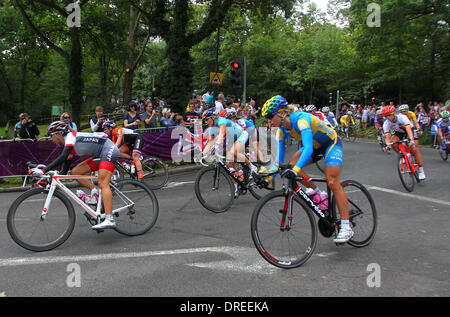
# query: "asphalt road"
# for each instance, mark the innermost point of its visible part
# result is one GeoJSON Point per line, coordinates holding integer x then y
{"type": "Point", "coordinates": [192, 252]}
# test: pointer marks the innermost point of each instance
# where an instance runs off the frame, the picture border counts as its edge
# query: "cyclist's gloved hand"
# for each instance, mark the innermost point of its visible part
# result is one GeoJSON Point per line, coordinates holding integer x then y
{"type": "Point", "coordinates": [411, 143]}
{"type": "Point", "coordinates": [36, 171]}
{"type": "Point", "coordinates": [288, 173]}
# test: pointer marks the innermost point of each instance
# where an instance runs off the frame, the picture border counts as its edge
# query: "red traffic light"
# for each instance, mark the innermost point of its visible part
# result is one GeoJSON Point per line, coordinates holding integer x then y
{"type": "Point", "coordinates": [235, 65]}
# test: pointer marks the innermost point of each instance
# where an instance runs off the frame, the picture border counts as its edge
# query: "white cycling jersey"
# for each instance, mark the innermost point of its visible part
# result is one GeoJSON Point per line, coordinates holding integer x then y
{"type": "Point", "coordinates": [399, 124]}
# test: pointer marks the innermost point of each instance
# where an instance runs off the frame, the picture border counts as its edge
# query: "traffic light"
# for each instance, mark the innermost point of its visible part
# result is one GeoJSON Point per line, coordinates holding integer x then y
{"type": "Point", "coordinates": [237, 66]}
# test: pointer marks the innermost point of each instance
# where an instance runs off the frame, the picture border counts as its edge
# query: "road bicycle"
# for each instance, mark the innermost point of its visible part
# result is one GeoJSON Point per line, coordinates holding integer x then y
{"type": "Point", "coordinates": [444, 153]}
{"type": "Point", "coordinates": [43, 217]}
{"type": "Point", "coordinates": [214, 184]}
{"type": "Point", "coordinates": [284, 229]}
{"type": "Point", "coordinates": [407, 167]}
{"type": "Point", "coordinates": [156, 174]}
{"type": "Point", "coordinates": [381, 138]}
{"type": "Point", "coordinates": [349, 133]}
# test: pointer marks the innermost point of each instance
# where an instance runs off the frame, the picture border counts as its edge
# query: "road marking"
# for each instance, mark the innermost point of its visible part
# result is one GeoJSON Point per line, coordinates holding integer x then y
{"type": "Point", "coordinates": [176, 184]}
{"type": "Point", "coordinates": [423, 198]}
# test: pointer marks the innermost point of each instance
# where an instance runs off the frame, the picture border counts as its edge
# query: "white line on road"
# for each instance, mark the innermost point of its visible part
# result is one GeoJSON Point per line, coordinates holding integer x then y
{"type": "Point", "coordinates": [391, 191]}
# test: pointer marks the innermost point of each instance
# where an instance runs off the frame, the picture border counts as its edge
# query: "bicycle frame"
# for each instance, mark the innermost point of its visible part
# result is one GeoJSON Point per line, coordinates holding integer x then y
{"type": "Point", "coordinates": [405, 150]}
{"type": "Point", "coordinates": [294, 188]}
{"type": "Point", "coordinates": [94, 214]}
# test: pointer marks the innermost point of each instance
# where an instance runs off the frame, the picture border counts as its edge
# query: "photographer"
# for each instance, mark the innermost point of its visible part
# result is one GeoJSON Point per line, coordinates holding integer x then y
{"type": "Point", "coordinates": [27, 129]}
{"type": "Point", "coordinates": [66, 117]}
{"type": "Point", "coordinates": [97, 121]}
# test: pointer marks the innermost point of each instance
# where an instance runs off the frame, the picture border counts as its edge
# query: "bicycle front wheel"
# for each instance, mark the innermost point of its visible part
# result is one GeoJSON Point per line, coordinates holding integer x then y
{"type": "Point", "coordinates": [155, 172]}
{"type": "Point", "coordinates": [284, 247]}
{"type": "Point", "coordinates": [406, 175]}
{"type": "Point", "coordinates": [31, 231]}
{"type": "Point", "coordinates": [363, 213]}
{"type": "Point", "coordinates": [142, 211]}
{"type": "Point", "coordinates": [214, 189]}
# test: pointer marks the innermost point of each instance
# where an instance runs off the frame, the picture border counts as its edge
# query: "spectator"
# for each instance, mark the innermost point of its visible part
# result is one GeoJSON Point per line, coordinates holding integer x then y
{"type": "Point", "coordinates": [26, 128]}
{"type": "Point", "coordinates": [220, 102]}
{"type": "Point", "coordinates": [191, 116]}
{"type": "Point", "coordinates": [230, 105]}
{"type": "Point", "coordinates": [131, 119]}
{"type": "Point", "coordinates": [210, 100]}
{"type": "Point", "coordinates": [425, 122]}
{"type": "Point", "coordinates": [205, 97]}
{"type": "Point", "coordinates": [150, 116]}
{"type": "Point", "coordinates": [66, 117]}
{"type": "Point", "coordinates": [97, 121]}
{"type": "Point", "coordinates": [167, 119]}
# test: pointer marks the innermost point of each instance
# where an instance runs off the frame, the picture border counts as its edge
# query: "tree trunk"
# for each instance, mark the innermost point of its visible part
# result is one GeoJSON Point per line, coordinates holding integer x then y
{"type": "Point", "coordinates": [23, 86]}
{"type": "Point", "coordinates": [76, 84]}
{"type": "Point", "coordinates": [129, 73]}
{"type": "Point", "coordinates": [103, 82]}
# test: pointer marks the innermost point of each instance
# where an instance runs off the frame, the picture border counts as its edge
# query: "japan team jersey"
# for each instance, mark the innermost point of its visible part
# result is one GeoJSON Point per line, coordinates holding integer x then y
{"type": "Point", "coordinates": [86, 144]}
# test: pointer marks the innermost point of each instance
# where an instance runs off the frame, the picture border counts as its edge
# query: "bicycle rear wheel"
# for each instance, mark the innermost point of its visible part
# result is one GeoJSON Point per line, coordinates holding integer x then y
{"type": "Point", "coordinates": [363, 213]}
{"type": "Point", "coordinates": [406, 175]}
{"type": "Point", "coordinates": [214, 189]}
{"type": "Point", "coordinates": [26, 226]}
{"type": "Point", "coordinates": [281, 247]}
{"type": "Point", "coordinates": [142, 215]}
{"type": "Point", "coordinates": [155, 172]}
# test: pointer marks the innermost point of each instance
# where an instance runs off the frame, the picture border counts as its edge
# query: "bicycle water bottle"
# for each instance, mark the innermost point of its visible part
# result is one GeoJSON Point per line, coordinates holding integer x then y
{"type": "Point", "coordinates": [133, 168]}
{"type": "Point", "coordinates": [125, 166]}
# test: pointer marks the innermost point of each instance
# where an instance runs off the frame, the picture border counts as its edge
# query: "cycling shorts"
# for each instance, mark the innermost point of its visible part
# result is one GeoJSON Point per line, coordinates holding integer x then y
{"type": "Point", "coordinates": [108, 156]}
{"type": "Point", "coordinates": [332, 153]}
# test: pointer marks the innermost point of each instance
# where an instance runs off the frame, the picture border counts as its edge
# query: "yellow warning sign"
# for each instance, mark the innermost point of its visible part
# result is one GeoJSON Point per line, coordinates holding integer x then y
{"type": "Point", "coordinates": [215, 78]}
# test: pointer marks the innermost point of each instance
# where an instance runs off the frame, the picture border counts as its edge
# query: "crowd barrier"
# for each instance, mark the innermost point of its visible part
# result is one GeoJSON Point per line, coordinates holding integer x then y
{"type": "Point", "coordinates": [14, 154]}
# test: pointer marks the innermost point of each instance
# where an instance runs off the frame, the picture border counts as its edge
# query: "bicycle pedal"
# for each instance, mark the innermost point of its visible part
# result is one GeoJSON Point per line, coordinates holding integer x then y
{"type": "Point", "coordinates": [341, 244]}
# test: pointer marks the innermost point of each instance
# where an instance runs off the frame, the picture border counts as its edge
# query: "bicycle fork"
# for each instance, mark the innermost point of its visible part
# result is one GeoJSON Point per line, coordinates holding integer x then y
{"type": "Point", "coordinates": [286, 218]}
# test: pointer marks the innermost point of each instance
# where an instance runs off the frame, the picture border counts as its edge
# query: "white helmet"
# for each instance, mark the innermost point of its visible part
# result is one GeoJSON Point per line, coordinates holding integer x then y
{"type": "Point", "coordinates": [326, 109]}
{"type": "Point", "coordinates": [349, 113]}
{"type": "Point", "coordinates": [403, 108]}
{"type": "Point", "coordinates": [310, 108]}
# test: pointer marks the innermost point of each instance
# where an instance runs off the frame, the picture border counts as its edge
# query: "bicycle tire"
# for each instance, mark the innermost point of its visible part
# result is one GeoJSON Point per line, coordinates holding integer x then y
{"type": "Point", "coordinates": [271, 248]}
{"type": "Point", "coordinates": [51, 218]}
{"type": "Point", "coordinates": [133, 222]}
{"type": "Point", "coordinates": [443, 154]}
{"type": "Point", "coordinates": [362, 209]}
{"type": "Point", "coordinates": [155, 179]}
{"type": "Point", "coordinates": [200, 190]}
{"type": "Point", "coordinates": [404, 174]}
{"type": "Point", "coordinates": [319, 166]}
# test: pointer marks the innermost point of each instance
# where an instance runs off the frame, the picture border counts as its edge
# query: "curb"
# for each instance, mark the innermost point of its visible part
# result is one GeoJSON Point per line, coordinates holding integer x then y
{"type": "Point", "coordinates": [173, 171]}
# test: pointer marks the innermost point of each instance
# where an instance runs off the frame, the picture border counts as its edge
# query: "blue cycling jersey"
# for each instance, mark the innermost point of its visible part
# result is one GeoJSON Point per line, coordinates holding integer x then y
{"type": "Point", "coordinates": [247, 125]}
{"type": "Point", "coordinates": [317, 138]}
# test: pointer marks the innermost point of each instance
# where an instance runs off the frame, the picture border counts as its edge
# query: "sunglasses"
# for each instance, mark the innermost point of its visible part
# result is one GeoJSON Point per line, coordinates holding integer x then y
{"type": "Point", "coordinates": [66, 117]}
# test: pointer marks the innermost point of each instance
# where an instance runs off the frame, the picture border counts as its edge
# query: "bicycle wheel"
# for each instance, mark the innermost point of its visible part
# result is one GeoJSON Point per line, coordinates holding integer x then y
{"type": "Point", "coordinates": [321, 165]}
{"type": "Point", "coordinates": [363, 213]}
{"type": "Point", "coordinates": [284, 248]}
{"type": "Point", "coordinates": [406, 176]}
{"type": "Point", "coordinates": [142, 215]}
{"type": "Point", "coordinates": [214, 189]}
{"type": "Point", "coordinates": [155, 172]}
{"type": "Point", "coordinates": [28, 230]}
{"type": "Point", "coordinates": [443, 154]}
{"type": "Point", "coordinates": [352, 134]}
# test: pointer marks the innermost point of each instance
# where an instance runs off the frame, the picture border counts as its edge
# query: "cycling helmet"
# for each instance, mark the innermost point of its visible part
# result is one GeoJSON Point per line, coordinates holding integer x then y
{"type": "Point", "coordinates": [273, 105]}
{"type": "Point", "coordinates": [349, 113]}
{"type": "Point", "coordinates": [310, 108]}
{"type": "Point", "coordinates": [58, 126]}
{"type": "Point", "coordinates": [403, 108]}
{"type": "Point", "coordinates": [388, 110]}
{"type": "Point", "coordinates": [208, 113]}
{"type": "Point", "coordinates": [109, 124]}
{"type": "Point", "coordinates": [326, 109]}
{"type": "Point", "coordinates": [223, 114]}
{"type": "Point", "coordinates": [445, 114]}
{"type": "Point", "coordinates": [231, 114]}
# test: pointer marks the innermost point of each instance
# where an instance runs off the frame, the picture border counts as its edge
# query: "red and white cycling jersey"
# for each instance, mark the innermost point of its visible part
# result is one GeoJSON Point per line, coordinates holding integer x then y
{"type": "Point", "coordinates": [398, 126]}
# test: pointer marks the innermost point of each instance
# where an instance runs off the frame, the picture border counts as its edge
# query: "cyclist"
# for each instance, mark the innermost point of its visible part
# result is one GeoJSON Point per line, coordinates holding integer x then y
{"type": "Point", "coordinates": [94, 145]}
{"type": "Point", "coordinates": [330, 117]}
{"type": "Point", "coordinates": [345, 121]}
{"type": "Point", "coordinates": [443, 128]}
{"type": "Point", "coordinates": [313, 110]}
{"type": "Point", "coordinates": [402, 128]}
{"type": "Point", "coordinates": [317, 138]}
{"type": "Point", "coordinates": [404, 109]}
{"type": "Point", "coordinates": [250, 127]}
{"type": "Point", "coordinates": [128, 141]}
{"type": "Point", "coordinates": [221, 126]}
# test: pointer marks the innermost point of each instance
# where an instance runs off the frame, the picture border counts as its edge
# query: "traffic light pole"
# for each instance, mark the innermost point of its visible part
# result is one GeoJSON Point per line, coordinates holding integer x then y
{"type": "Point", "coordinates": [337, 103]}
{"type": "Point", "coordinates": [244, 93]}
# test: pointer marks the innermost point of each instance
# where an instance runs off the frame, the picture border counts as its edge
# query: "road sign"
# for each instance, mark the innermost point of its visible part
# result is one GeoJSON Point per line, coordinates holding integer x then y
{"type": "Point", "coordinates": [215, 78]}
